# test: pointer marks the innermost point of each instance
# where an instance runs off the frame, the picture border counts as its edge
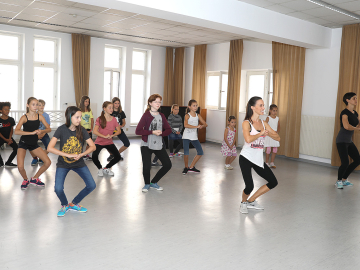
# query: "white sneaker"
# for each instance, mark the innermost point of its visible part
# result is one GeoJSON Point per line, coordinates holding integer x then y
{"type": "Point", "coordinates": [243, 208]}
{"type": "Point", "coordinates": [254, 205]}
{"type": "Point", "coordinates": [339, 184]}
{"type": "Point", "coordinates": [272, 165]}
{"type": "Point", "coordinates": [100, 172]}
{"type": "Point", "coordinates": [109, 172]}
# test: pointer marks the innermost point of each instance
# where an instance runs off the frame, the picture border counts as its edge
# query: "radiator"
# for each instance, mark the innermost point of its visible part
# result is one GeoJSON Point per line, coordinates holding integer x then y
{"type": "Point", "coordinates": [316, 135]}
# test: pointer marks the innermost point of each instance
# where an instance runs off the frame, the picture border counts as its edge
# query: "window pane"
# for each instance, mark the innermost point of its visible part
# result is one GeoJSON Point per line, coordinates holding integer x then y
{"type": "Point", "coordinates": [224, 85]}
{"type": "Point", "coordinates": [256, 86]}
{"type": "Point", "coordinates": [138, 61]}
{"type": "Point", "coordinates": [44, 51]}
{"type": "Point", "coordinates": [107, 75]}
{"type": "Point", "coordinates": [44, 85]}
{"type": "Point", "coordinates": [116, 85]}
{"type": "Point", "coordinates": [9, 47]}
{"type": "Point", "coordinates": [9, 84]}
{"type": "Point", "coordinates": [112, 58]}
{"type": "Point", "coordinates": [137, 97]}
{"type": "Point", "coordinates": [212, 95]}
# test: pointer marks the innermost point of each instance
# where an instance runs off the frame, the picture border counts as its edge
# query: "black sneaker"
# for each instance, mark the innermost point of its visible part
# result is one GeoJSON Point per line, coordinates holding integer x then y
{"type": "Point", "coordinates": [37, 182]}
{"type": "Point", "coordinates": [110, 158]}
{"type": "Point", "coordinates": [25, 184]}
{"type": "Point", "coordinates": [10, 164]}
{"type": "Point", "coordinates": [121, 158]}
{"type": "Point", "coordinates": [185, 171]}
{"type": "Point", "coordinates": [194, 170]}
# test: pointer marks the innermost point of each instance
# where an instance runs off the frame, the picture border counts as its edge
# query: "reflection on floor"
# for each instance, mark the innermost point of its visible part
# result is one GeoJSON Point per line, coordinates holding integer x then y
{"type": "Point", "coordinates": [193, 224]}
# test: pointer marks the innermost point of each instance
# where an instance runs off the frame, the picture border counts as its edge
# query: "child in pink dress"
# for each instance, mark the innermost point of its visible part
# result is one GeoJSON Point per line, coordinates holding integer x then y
{"type": "Point", "coordinates": [228, 148]}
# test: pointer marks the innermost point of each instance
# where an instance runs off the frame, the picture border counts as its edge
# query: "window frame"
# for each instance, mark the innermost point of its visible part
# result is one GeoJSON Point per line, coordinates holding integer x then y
{"type": "Point", "coordinates": [220, 74]}
{"type": "Point", "coordinates": [54, 65]}
{"type": "Point", "coordinates": [112, 71]}
{"type": "Point", "coordinates": [19, 64]}
{"type": "Point", "coordinates": [266, 93]}
{"type": "Point", "coordinates": [140, 72]}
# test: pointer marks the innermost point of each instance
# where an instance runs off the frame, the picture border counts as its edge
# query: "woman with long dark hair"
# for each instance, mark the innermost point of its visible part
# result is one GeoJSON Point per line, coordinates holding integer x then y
{"type": "Point", "coordinates": [349, 122]}
{"type": "Point", "coordinates": [251, 156]}
{"type": "Point", "coordinates": [72, 137]}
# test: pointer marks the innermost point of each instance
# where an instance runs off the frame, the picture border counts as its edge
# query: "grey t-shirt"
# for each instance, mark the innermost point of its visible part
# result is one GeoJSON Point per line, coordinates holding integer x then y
{"type": "Point", "coordinates": [154, 142]}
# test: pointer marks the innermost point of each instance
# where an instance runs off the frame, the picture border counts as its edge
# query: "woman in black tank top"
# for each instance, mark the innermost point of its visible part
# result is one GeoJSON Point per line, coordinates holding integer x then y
{"type": "Point", "coordinates": [28, 141]}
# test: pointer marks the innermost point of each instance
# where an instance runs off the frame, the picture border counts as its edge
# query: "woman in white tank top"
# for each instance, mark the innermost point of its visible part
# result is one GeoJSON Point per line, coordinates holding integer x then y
{"type": "Point", "coordinates": [251, 156]}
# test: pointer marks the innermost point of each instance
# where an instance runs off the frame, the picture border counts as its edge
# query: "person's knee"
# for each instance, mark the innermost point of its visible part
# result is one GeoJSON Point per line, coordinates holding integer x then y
{"type": "Point", "coordinates": [127, 144]}
{"type": "Point", "coordinates": [21, 167]}
{"type": "Point", "coordinates": [248, 188]}
{"type": "Point", "coordinates": [91, 186]}
{"type": "Point", "coordinates": [47, 162]}
{"type": "Point", "coordinates": [58, 189]}
{"type": "Point", "coordinates": [272, 184]}
{"type": "Point", "coordinates": [167, 165]}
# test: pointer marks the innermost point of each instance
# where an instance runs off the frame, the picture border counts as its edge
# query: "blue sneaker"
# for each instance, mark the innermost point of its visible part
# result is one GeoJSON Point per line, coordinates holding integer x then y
{"type": "Point", "coordinates": [146, 188]}
{"type": "Point", "coordinates": [63, 211]}
{"type": "Point", "coordinates": [77, 207]}
{"type": "Point", "coordinates": [346, 183]}
{"type": "Point", "coordinates": [156, 186]}
{"type": "Point", "coordinates": [34, 162]}
{"type": "Point", "coordinates": [339, 184]}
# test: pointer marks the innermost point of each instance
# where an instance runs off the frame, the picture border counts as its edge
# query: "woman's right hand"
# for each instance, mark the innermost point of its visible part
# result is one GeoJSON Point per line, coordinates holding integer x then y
{"type": "Point", "coordinates": [157, 132]}
{"type": "Point", "coordinates": [264, 132]}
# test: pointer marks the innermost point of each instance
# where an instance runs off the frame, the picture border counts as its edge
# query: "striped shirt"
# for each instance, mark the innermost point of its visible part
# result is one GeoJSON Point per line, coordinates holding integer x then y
{"type": "Point", "coordinates": [175, 122]}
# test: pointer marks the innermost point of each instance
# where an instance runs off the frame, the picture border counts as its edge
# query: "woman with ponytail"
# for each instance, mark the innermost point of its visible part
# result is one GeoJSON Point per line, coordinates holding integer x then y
{"type": "Point", "coordinates": [104, 130]}
{"type": "Point", "coordinates": [72, 137]}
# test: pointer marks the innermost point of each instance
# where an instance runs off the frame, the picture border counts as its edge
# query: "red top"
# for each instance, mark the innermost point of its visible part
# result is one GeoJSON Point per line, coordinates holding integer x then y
{"type": "Point", "coordinates": [108, 130]}
{"type": "Point", "coordinates": [144, 124]}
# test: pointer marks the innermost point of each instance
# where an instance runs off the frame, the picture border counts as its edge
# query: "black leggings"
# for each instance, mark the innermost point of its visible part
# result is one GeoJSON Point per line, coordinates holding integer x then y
{"type": "Point", "coordinates": [345, 150]}
{"type": "Point", "coordinates": [171, 146]}
{"type": "Point", "coordinates": [13, 154]}
{"type": "Point", "coordinates": [146, 159]}
{"type": "Point", "coordinates": [266, 173]}
{"type": "Point", "coordinates": [112, 149]}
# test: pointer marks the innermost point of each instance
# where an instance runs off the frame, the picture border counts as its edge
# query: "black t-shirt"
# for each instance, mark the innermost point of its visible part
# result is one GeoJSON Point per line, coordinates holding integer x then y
{"type": "Point", "coordinates": [353, 118]}
{"type": "Point", "coordinates": [345, 135]}
{"type": "Point", "coordinates": [6, 126]}
{"type": "Point", "coordinates": [119, 116]}
{"type": "Point", "coordinates": [71, 145]}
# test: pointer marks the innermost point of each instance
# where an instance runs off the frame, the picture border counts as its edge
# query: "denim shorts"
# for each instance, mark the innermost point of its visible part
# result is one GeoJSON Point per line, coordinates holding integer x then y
{"type": "Point", "coordinates": [196, 144]}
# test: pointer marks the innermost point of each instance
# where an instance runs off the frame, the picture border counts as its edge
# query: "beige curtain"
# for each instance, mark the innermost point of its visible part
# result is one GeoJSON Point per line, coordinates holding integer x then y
{"type": "Point", "coordinates": [179, 76]}
{"type": "Point", "coordinates": [169, 77]}
{"type": "Point", "coordinates": [81, 64]}
{"type": "Point", "coordinates": [288, 68]}
{"type": "Point", "coordinates": [199, 75]}
{"type": "Point", "coordinates": [234, 78]}
{"type": "Point", "coordinates": [349, 79]}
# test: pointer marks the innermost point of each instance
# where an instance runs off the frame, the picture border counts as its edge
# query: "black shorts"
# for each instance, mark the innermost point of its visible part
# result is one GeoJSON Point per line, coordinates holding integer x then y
{"type": "Point", "coordinates": [29, 147]}
{"type": "Point", "coordinates": [90, 134]}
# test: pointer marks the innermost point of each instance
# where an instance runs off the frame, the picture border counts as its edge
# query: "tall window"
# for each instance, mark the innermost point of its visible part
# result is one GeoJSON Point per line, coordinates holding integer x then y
{"type": "Point", "coordinates": [138, 85]}
{"type": "Point", "coordinates": [216, 94]}
{"type": "Point", "coordinates": [112, 74]}
{"type": "Point", "coordinates": [260, 83]}
{"type": "Point", "coordinates": [46, 70]}
{"type": "Point", "coordinates": [11, 69]}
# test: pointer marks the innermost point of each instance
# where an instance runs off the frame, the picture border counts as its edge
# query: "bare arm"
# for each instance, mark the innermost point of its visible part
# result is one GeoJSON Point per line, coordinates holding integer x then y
{"type": "Point", "coordinates": [278, 128]}
{"type": "Point", "coordinates": [92, 125]}
{"type": "Point", "coordinates": [346, 124]}
{"type": "Point", "coordinates": [97, 133]}
{"type": "Point", "coordinates": [202, 121]}
{"type": "Point", "coordinates": [225, 137]}
{"type": "Point", "coordinates": [267, 119]}
{"type": "Point", "coordinates": [18, 130]}
{"type": "Point", "coordinates": [123, 123]}
{"type": "Point", "coordinates": [118, 131]}
{"type": "Point", "coordinates": [246, 132]}
{"type": "Point", "coordinates": [271, 133]}
{"type": "Point", "coordinates": [51, 148]}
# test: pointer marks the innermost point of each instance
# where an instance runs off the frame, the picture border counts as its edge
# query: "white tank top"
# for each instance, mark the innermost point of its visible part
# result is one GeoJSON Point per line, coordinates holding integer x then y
{"type": "Point", "coordinates": [191, 133]}
{"type": "Point", "coordinates": [273, 123]}
{"type": "Point", "coordinates": [254, 151]}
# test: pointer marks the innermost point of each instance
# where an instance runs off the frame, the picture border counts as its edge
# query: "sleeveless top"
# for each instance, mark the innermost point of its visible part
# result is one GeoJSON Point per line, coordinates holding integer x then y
{"type": "Point", "coordinates": [30, 126]}
{"type": "Point", "coordinates": [273, 123]}
{"type": "Point", "coordinates": [191, 133]}
{"type": "Point", "coordinates": [254, 151]}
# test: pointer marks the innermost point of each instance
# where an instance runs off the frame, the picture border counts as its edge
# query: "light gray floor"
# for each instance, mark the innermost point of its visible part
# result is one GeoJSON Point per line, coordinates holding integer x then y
{"type": "Point", "coordinates": [193, 224]}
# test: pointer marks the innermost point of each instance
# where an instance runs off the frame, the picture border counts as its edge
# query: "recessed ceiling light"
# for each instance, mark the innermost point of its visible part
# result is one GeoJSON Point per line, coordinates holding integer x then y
{"type": "Point", "coordinates": [334, 8]}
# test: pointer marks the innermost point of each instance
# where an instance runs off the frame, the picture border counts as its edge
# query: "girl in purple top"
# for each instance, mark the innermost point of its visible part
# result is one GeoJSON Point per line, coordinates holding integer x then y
{"type": "Point", "coordinates": [104, 130]}
{"type": "Point", "coordinates": [153, 126]}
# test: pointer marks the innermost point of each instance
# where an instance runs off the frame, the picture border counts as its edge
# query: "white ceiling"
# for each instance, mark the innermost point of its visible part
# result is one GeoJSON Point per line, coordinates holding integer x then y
{"type": "Point", "coordinates": [70, 17]}
{"type": "Point", "coordinates": [308, 11]}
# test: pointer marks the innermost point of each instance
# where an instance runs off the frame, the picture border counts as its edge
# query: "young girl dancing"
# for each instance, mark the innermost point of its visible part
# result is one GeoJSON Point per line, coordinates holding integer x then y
{"type": "Point", "coordinates": [349, 122]}
{"type": "Point", "coordinates": [87, 118]}
{"type": "Point", "coordinates": [104, 130]}
{"type": "Point", "coordinates": [191, 124]}
{"type": "Point", "coordinates": [228, 148]}
{"type": "Point", "coordinates": [120, 116]}
{"type": "Point", "coordinates": [28, 141]}
{"type": "Point", "coordinates": [274, 123]}
{"type": "Point", "coordinates": [176, 124]}
{"type": "Point", "coordinates": [72, 137]}
{"type": "Point", "coordinates": [152, 127]}
{"type": "Point", "coordinates": [251, 156]}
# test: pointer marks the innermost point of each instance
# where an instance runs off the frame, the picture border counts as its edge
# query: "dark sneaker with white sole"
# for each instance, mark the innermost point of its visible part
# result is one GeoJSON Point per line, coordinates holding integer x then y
{"type": "Point", "coordinates": [194, 170]}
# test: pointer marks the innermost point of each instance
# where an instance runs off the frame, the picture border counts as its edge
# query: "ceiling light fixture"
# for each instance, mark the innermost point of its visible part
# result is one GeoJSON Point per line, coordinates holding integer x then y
{"type": "Point", "coordinates": [334, 8]}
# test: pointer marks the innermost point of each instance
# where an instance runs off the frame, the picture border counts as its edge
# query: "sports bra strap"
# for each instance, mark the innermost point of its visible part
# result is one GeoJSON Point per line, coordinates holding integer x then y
{"type": "Point", "coordinates": [26, 117]}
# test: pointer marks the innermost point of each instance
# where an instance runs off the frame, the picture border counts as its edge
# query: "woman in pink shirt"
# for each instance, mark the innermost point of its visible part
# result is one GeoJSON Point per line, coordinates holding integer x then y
{"type": "Point", "coordinates": [104, 130]}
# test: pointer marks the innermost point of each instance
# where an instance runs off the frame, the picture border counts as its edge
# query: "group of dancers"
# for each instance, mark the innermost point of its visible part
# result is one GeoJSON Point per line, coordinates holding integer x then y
{"type": "Point", "coordinates": [153, 126]}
